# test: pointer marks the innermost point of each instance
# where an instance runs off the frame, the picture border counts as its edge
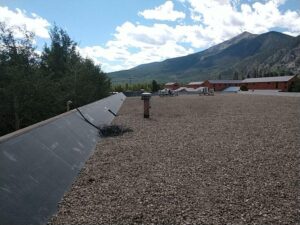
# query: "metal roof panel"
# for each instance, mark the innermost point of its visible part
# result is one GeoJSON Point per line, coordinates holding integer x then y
{"type": "Point", "coordinates": [268, 79]}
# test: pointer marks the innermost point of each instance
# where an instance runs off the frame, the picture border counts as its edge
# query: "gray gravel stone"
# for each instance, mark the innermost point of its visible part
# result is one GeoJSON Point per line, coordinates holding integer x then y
{"type": "Point", "coordinates": [224, 159]}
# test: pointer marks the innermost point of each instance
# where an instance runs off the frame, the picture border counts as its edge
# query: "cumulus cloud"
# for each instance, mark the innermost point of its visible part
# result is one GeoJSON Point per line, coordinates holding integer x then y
{"type": "Point", "coordinates": [138, 44]}
{"type": "Point", "coordinates": [32, 22]}
{"type": "Point", "coordinates": [163, 12]}
{"type": "Point", "coordinates": [223, 19]}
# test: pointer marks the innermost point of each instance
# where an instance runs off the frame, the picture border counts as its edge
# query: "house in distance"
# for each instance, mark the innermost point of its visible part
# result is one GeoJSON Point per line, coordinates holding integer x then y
{"type": "Point", "coordinates": [281, 83]}
{"type": "Point", "coordinates": [172, 85]}
{"type": "Point", "coordinates": [220, 85]}
{"type": "Point", "coordinates": [196, 84]}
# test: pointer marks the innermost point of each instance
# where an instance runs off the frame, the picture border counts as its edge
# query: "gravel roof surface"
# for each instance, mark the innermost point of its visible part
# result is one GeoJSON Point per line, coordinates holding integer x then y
{"type": "Point", "coordinates": [223, 159]}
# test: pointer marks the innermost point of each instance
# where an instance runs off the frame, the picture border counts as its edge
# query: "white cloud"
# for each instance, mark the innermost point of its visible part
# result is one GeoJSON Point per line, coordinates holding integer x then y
{"type": "Point", "coordinates": [213, 21]}
{"type": "Point", "coordinates": [291, 33]}
{"type": "Point", "coordinates": [141, 35]}
{"type": "Point", "coordinates": [138, 44]}
{"type": "Point", "coordinates": [32, 22]}
{"type": "Point", "coordinates": [222, 19]}
{"type": "Point", "coordinates": [163, 12]}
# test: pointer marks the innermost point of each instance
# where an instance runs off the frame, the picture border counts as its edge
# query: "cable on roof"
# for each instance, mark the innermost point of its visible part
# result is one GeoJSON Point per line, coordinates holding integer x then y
{"type": "Point", "coordinates": [107, 131]}
{"type": "Point", "coordinates": [89, 122]}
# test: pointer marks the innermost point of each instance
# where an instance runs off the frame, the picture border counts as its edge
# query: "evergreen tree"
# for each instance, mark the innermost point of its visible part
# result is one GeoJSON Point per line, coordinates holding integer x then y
{"type": "Point", "coordinates": [75, 78]}
{"type": "Point", "coordinates": [34, 88]}
{"type": "Point", "coordinates": [155, 86]}
{"type": "Point", "coordinates": [235, 75]}
{"type": "Point", "coordinates": [19, 81]}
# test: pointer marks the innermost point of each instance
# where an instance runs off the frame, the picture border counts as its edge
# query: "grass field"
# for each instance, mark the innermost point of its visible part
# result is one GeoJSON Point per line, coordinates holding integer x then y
{"type": "Point", "coordinates": [224, 159]}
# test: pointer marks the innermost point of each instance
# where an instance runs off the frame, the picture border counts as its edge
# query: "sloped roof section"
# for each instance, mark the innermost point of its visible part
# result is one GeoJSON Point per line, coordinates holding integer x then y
{"type": "Point", "coordinates": [225, 81]}
{"type": "Point", "coordinates": [171, 83]}
{"type": "Point", "coordinates": [39, 163]}
{"type": "Point", "coordinates": [191, 90]}
{"type": "Point", "coordinates": [231, 89]}
{"type": "Point", "coordinates": [181, 89]}
{"type": "Point", "coordinates": [196, 83]}
{"type": "Point", "coordinates": [268, 79]}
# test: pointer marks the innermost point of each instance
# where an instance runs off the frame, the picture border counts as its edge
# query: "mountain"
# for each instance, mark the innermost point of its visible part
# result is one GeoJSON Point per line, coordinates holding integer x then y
{"type": "Point", "coordinates": [246, 55]}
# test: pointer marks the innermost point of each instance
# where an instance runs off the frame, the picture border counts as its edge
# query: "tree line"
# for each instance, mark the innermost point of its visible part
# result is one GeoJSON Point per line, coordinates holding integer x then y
{"type": "Point", "coordinates": [34, 87]}
{"type": "Point", "coordinates": [154, 86]}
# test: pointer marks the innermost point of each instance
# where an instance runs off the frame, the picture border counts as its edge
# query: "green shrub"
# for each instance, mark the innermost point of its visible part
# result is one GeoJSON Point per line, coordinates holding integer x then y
{"type": "Point", "coordinates": [295, 87]}
{"type": "Point", "coordinates": [243, 88]}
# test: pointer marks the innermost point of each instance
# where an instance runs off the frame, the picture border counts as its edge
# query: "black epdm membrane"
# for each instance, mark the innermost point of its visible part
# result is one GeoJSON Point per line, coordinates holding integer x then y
{"type": "Point", "coordinates": [113, 130]}
{"type": "Point", "coordinates": [38, 166]}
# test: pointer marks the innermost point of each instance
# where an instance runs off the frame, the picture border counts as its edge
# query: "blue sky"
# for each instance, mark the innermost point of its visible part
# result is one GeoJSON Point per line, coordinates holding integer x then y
{"type": "Point", "coordinates": [121, 34]}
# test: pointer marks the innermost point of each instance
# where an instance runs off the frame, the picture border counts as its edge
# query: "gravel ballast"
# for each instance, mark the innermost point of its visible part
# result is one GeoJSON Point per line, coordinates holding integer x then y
{"type": "Point", "coordinates": [224, 159]}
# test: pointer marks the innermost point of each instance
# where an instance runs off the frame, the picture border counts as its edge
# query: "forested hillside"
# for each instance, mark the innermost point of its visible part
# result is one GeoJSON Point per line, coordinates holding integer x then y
{"type": "Point", "coordinates": [34, 87]}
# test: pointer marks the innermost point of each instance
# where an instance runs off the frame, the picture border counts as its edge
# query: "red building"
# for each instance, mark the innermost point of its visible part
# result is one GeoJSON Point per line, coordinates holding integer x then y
{"type": "Point", "coordinates": [282, 83]}
{"type": "Point", "coordinates": [220, 85]}
{"type": "Point", "coordinates": [217, 85]}
{"type": "Point", "coordinates": [172, 85]}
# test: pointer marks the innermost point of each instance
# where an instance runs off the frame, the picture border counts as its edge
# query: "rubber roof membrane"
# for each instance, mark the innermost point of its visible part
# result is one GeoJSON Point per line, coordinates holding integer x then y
{"type": "Point", "coordinates": [38, 166]}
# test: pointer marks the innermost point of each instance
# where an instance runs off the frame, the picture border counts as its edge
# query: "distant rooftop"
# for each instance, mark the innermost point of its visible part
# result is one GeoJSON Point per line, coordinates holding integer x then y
{"type": "Point", "coordinates": [181, 89]}
{"type": "Point", "coordinates": [196, 83]}
{"type": "Point", "coordinates": [225, 81]}
{"type": "Point", "coordinates": [171, 83]}
{"type": "Point", "coordinates": [187, 89]}
{"type": "Point", "coordinates": [268, 79]}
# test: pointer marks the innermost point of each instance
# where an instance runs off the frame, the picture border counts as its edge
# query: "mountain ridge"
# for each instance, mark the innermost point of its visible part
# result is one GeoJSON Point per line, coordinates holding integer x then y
{"type": "Point", "coordinates": [246, 55]}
